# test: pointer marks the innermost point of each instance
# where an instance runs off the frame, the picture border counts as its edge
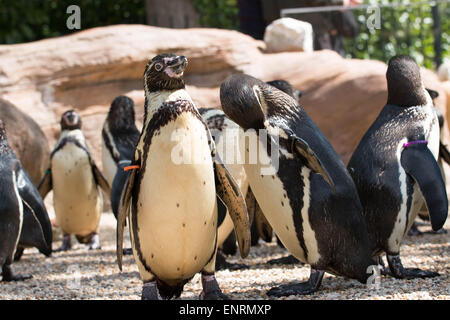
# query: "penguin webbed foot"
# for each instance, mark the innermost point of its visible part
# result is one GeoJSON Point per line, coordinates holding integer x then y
{"type": "Point", "coordinates": [66, 244]}
{"type": "Point", "coordinates": [127, 251]}
{"type": "Point", "coordinates": [303, 288]}
{"type": "Point", "coordinates": [9, 275]}
{"type": "Point", "coordinates": [223, 264]}
{"type": "Point", "coordinates": [414, 230]}
{"type": "Point", "coordinates": [440, 231]}
{"type": "Point", "coordinates": [150, 291]}
{"type": "Point", "coordinates": [94, 242]}
{"type": "Point", "coordinates": [399, 272]}
{"type": "Point", "coordinates": [211, 290]}
{"type": "Point", "coordinates": [288, 260]}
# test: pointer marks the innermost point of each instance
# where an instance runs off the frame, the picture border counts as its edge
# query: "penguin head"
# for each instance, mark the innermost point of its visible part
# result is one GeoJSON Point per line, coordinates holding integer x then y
{"type": "Point", "coordinates": [165, 72]}
{"type": "Point", "coordinates": [121, 114]}
{"type": "Point", "coordinates": [4, 146]}
{"type": "Point", "coordinates": [70, 120]}
{"type": "Point", "coordinates": [2, 133]}
{"type": "Point", "coordinates": [286, 87]}
{"type": "Point", "coordinates": [240, 97]}
{"type": "Point", "coordinates": [405, 88]}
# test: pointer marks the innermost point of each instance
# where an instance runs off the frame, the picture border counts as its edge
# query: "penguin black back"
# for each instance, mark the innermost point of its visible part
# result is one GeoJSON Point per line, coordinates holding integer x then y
{"type": "Point", "coordinates": [122, 128]}
{"type": "Point", "coordinates": [405, 87]}
{"type": "Point", "coordinates": [395, 158]}
{"type": "Point", "coordinates": [21, 210]}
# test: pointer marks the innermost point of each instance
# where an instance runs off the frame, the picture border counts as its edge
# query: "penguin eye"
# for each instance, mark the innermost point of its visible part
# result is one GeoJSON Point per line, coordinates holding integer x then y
{"type": "Point", "coordinates": [158, 66]}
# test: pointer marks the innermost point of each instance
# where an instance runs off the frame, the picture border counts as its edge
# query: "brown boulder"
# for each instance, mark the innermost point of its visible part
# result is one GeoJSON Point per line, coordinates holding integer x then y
{"type": "Point", "coordinates": [87, 70]}
{"type": "Point", "coordinates": [27, 140]}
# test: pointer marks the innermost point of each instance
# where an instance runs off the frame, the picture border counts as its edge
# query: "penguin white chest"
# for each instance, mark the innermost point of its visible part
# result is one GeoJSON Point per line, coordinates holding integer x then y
{"type": "Point", "coordinates": [175, 226]}
{"type": "Point", "coordinates": [274, 202]}
{"type": "Point", "coordinates": [77, 200]}
{"type": "Point", "coordinates": [405, 218]}
{"type": "Point", "coordinates": [109, 165]}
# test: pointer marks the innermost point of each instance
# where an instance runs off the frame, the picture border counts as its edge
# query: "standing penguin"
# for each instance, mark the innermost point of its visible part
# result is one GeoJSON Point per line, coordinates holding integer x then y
{"type": "Point", "coordinates": [394, 166]}
{"type": "Point", "coordinates": [170, 195]}
{"type": "Point", "coordinates": [119, 137]}
{"type": "Point", "coordinates": [444, 155]}
{"type": "Point", "coordinates": [21, 209]}
{"type": "Point", "coordinates": [218, 124]}
{"type": "Point", "coordinates": [75, 180]}
{"type": "Point", "coordinates": [310, 200]}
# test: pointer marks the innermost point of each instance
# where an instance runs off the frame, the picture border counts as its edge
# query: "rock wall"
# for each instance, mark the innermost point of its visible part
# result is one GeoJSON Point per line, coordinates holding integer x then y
{"type": "Point", "coordinates": [87, 70]}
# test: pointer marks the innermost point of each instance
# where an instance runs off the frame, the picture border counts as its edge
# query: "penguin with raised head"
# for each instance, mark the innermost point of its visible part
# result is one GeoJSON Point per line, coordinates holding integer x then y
{"type": "Point", "coordinates": [76, 182]}
{"type": "Point", "coordinates": [394, 166]}
{"type": "Point", "coordinates": [170, 197]}
{"type": "Point", "coordinates": [444, 155]}
{"type": "Point", "coordinates": [119, 137]}
{"type": "Point", "coordinates": [300, 183]}
{"type": "Point", "coordinates": [21, 209]}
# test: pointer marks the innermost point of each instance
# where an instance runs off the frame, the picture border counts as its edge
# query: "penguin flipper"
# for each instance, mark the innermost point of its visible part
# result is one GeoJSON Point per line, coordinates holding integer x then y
{"type": "Point", "coordinates": [419, 163]}
{"type": "Point", "coordinates": [256, 216]}
{"type": "Point", "coordinates": [32, 234]}
{"type": "Point", "coordinates": [231, 195]}
{"type": "Point", "coordinates": [101, 180]}
{"type": "Point", "coordinates": [46, 185]}
{"type": "Point", "coordinates": [40, 220]}
{"type": "Point", "coordinates": [304, 151]}
{"type": "Point", "coordinates": [444, 153]}
{"type": "Point", "coordinates": [124, 207]}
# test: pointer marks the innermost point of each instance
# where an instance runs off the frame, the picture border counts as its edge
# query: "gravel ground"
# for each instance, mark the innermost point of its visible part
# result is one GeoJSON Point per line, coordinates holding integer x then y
{"type": "Point", "coordinates": [83, 274]}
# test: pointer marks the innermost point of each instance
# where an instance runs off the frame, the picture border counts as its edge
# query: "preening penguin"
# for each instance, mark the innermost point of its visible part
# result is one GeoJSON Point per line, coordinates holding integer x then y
{"type": "Point", "coordinates": [444, 155]}
{"type": "Point", "coordinates": [224, 132]}
{"type": "Point", "coordinates": [309, 199]}
{"type": "Point", "coordinates": [394, 166]}
{"type": "Point", "coordinates": [119, 137]}
{"type": "Point", "coordinates": [170, 196]}
{"type": "Point", "coordinates": [75, 180]}
{"type": "Point", "coordinates": [21, 209]}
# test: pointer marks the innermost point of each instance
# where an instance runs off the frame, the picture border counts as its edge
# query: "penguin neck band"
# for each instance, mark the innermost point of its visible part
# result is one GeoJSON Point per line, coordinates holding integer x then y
{"type": "Point", "coordinates": [405, 145]}
{"type": "Point", "coordinates": [131, 167]}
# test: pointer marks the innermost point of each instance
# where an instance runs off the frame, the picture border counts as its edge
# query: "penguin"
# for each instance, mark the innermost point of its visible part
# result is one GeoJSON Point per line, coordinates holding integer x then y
{"type": "Point", "coordinates": [75, 181]}
{"type": "Point", "coordinates": [305, 191]}
{"type": "Point", "coordinates": [170, 196]}
{"type": "Point", "coordinates": [23, 218]}
{"type": "Point", "coordinates": [444, 155]}
{"type": "Point", "coordinates": [394, 166]}
{"type": "Point", "coordinates": [119, 137]}
{"type": "Point", "coordinates": [218, 123]}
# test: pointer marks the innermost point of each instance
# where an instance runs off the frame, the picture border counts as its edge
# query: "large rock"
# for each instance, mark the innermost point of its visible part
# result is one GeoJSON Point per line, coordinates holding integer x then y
{"type": "Point", "coordinates": [87, 70]}
{"type": "Point", "coordinates": [288, 34]}
{"type": "Point", "coordinates": [444, 71]}
{"type": "Point", "coordinates": [27, 140]}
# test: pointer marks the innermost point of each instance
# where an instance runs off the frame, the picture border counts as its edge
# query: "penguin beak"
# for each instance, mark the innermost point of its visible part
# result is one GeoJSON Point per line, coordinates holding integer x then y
{"type": "Point", "coordinates": [176, 66]}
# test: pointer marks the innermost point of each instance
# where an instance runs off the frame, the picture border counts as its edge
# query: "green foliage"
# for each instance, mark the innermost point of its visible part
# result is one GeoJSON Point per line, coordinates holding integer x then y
{"type": "Point", "coordinates": [29, 20]}
{"type": "Point", "coordinates": [217, 13]}
{"type": "Point", "coordinates": [404, 30]}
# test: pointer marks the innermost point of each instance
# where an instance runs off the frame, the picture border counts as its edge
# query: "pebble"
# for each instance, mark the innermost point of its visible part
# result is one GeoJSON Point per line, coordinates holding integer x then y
{"type": "Point", "coordinates": [84, 274]}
